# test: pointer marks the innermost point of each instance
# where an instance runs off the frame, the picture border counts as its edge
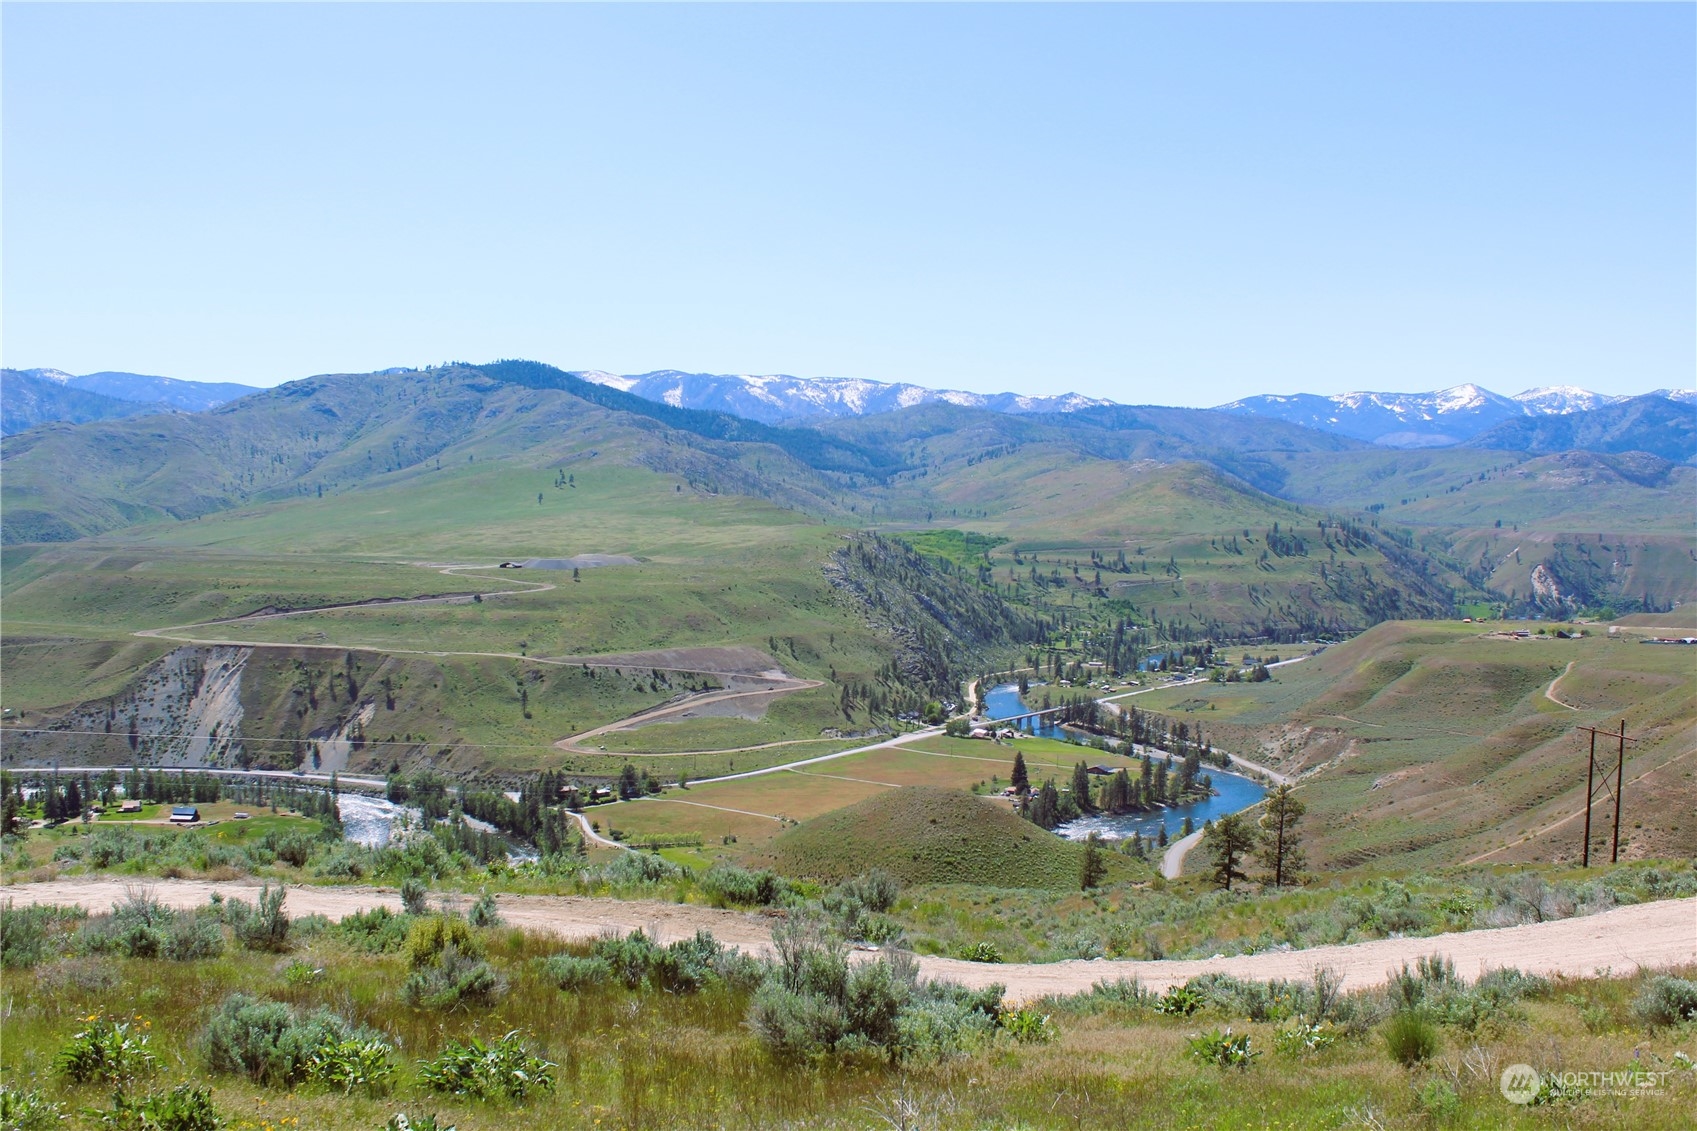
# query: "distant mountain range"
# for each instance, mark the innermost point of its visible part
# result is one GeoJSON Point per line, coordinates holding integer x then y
{"type": "Point", "coordinates": [1432, 420]}
{"type": "Point", "coordinates": [781, 399]}
{"type": "Point", "coordinates": [35, 396]}
{"type": "Point", "coordinates": [1464, 415]}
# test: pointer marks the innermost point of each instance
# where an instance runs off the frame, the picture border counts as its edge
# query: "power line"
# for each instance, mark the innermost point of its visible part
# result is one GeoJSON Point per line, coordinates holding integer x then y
{"type": "Point", "coordinates": [1614, 791]}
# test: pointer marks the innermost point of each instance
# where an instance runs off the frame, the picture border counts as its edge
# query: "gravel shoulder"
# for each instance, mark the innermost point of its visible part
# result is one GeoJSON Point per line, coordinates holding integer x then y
{"type": "Point", "coordinates": [1647, 935]}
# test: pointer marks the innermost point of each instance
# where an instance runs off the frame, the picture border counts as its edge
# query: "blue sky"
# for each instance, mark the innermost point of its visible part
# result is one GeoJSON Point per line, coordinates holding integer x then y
{"type": "Point", "coordinates": [1177, 204]}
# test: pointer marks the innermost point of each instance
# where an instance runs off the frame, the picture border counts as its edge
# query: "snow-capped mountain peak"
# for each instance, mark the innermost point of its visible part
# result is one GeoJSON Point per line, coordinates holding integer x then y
{"type": "Point", "coordinates": [57, 376]}
{"type": "Point", "coordinates": [1558, 399]}
{"type": "Point", "coordinates": [1460, 398]}
{"type": "Point", "coordinates": [777, 397]}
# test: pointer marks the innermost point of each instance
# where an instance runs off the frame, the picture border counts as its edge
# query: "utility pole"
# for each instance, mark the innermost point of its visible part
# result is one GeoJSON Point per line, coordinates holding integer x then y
{"type": "Point", "coordinates": [1618, 782]}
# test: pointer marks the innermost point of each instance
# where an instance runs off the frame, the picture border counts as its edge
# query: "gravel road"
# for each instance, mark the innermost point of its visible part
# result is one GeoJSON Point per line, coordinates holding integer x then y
{"type": "Point", "coordinates": [1654, 935]}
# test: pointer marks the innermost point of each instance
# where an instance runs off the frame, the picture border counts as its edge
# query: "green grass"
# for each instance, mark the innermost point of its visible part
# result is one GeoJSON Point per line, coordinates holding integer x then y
{"type": "Point", "coordinates": [1464, 487]}
{"type": "Point", "coordinates": [145, 813]}
{"type": "Point", "coordinates": [1435, 741]}
{"type": "Point", "coordinates": [658, 1060]}
{"type": "Point", "coordinates": [930, 835]}
{"type": "Point", "coordinates": [962, 547]}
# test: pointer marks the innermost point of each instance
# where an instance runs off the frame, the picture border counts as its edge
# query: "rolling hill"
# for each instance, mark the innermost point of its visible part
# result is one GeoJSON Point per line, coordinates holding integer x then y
{"type": "Point", "coordinates": [924, 835]}
{"type": "Point", "coordinates": [1433, 743]}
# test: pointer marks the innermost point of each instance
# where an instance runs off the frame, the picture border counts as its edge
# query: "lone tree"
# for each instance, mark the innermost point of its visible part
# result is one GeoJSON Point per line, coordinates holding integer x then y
{"type": "Point", "coordinates": [1093, 869]}
{"type": "Point", "coordinates": [1021, 780]}
{"type": "Point", "coordinates": [1281, 850]}
{"type": "Point", "coordinates": [1229, 841]}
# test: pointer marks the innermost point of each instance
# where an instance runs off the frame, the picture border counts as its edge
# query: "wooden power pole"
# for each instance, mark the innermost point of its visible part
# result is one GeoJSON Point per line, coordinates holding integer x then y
{"type": "Point", "coordinates": [1609, 783]}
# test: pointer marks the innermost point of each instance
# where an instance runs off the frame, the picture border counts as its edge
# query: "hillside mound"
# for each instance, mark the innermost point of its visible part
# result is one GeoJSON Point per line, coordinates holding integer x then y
{"type": "Point", "coordinates": [924, 835]}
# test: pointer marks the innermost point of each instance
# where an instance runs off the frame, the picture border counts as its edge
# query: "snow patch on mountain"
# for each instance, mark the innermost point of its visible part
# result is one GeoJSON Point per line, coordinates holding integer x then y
{"type": "Point", "coordinates": [1557, 400]}
{"type": "Point", "coordinates": [777, 398]}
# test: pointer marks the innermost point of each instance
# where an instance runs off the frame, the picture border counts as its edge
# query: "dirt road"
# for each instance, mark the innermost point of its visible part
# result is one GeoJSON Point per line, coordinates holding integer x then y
{"type": "Point", "coordinates": [1652, 935]}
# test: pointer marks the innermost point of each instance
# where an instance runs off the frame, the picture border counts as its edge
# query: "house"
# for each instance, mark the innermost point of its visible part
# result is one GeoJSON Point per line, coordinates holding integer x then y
{"type": "Point", "coordinates": [131, 806]}
{"type": "Point", "coordinates": [1100, 771]}
{"type": "Point", "coordinates": [184, 814]}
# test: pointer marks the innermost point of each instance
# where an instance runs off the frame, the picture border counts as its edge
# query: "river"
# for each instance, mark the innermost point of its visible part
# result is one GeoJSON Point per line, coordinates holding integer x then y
{"type": "Point", "coordinates": [1232, 792]}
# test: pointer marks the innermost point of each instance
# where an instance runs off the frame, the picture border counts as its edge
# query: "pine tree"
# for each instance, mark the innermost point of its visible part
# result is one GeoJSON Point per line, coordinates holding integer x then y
{"type": "Point", "coordinates": [1281, 850]}
{"type": "Point", "coordinates": [1021, 779]}
{"type": "Point", "coordinates": [1046, 806]}
{"type": "Point", "coordinates": [1229, 841]}
{"type": "Point", "coordinates": [1081, 788]}
{"type": "Point", "coordinates": [1093, 869]}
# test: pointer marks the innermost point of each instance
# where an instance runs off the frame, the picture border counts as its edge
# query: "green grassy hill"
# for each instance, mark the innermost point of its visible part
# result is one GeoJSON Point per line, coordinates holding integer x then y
{"type": "Point", "coordinates": [328, 435]}
{"type": "Point", "coordinates": [1466, 487]}
{"type": "Point", "coordinates": [1030, 536]}
{"type": "Point", "coordinates": [924, 835]}
{"type": "Point", "coordinates": [1434, 743]}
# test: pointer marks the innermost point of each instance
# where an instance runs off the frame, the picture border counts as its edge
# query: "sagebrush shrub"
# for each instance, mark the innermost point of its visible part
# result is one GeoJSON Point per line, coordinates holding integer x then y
{"type": "Point", "coordinates": [635, 868]}
{"type": "Point", "coordinates": [262, 926]}
{"type": "Point", "coordinates": [629, 957]}
{"type": "Point", "coordinates": [484, 913]}
{"type": "Point", "coordinates": [728, 885]}
{"type": "Point", "coordinates": [270, 1042]}
{"type": "Point", "coordinates": [415, 896]}
{"type": "Point", "coordinates": [377, 931]}
{"type": "Point", "coordinates": [29, 935]}
{"type": "Point", "coordinates": [570, 972]}
{"type": "Point", "coordinates": [451, 979]}
{"type": "Point", "coordinates": [1666, 1001]}
{"type": "Point", "coordinates": [430, 936]}
{"type": "Point", "coordinates": [877, 889]}
{"type": "Point", "coordinates": [194, 937]}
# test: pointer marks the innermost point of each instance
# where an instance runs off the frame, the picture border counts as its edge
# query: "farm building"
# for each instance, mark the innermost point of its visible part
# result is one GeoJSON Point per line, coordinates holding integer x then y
{"type": "Point", "coordinates": [184, 814]}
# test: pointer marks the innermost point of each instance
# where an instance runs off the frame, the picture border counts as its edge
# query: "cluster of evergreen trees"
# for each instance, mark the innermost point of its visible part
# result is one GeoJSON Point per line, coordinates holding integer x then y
{"type": "Point", "coordinates": [66, 797]}
{"type": "Point", "coordinates": [539, 816]}
{"type": "Point", "coordinates": [1159, 782]}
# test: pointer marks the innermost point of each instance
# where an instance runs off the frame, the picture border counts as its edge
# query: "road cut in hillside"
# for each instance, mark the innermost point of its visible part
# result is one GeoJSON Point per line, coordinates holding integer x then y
{"type": "Point", "coordinates": [1653, 935]}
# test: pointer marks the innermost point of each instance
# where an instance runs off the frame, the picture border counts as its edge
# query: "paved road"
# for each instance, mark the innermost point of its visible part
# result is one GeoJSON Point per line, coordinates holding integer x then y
{"type": "Point", "coordinates": [1651, 935]}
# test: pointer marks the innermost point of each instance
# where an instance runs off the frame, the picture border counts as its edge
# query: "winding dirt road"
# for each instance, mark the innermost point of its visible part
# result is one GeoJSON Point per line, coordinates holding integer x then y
{"type": "Point", "coordinates": [1648, 935]}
